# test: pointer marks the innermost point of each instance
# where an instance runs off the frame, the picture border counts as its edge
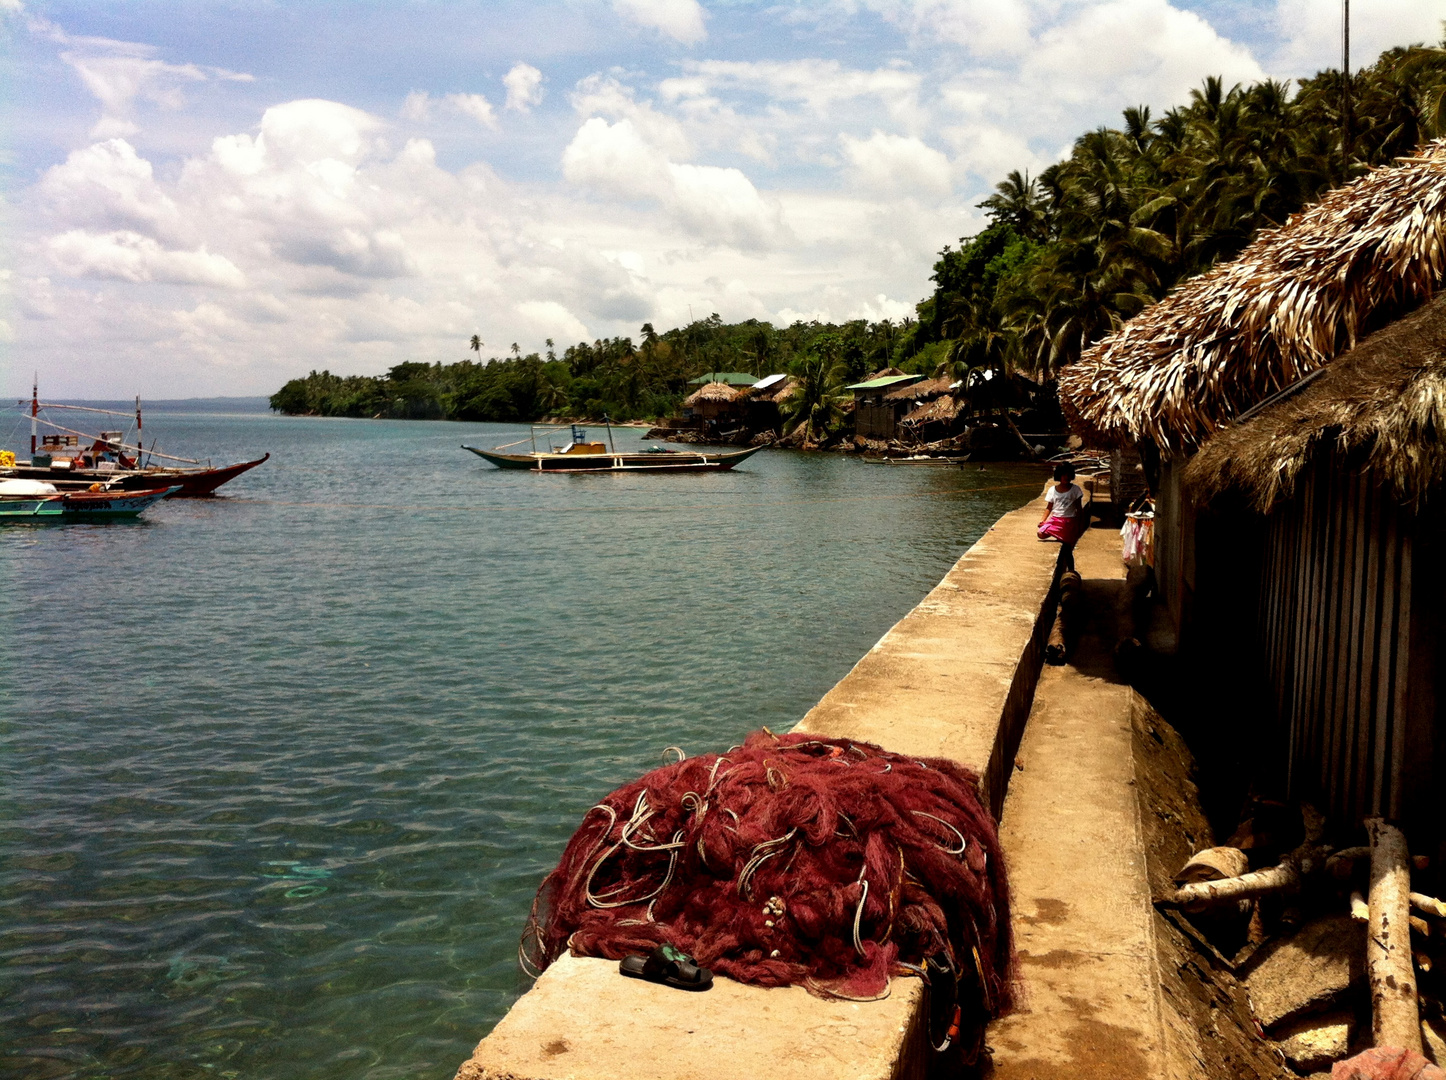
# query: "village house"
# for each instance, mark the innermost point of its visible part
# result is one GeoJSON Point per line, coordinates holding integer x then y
{"type": "Point", "coordinates": [1290, 408]}
{"type": "Point", "coordinates": [878, 407]}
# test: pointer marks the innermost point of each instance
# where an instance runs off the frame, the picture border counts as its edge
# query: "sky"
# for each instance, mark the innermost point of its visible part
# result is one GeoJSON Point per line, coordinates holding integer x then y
{"type": "Point", "coordinates": [209, 198]}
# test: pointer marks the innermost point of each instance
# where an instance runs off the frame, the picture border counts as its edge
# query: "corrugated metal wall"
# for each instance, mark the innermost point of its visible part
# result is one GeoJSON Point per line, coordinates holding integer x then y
{"type": "Point", "coordinates": [1335, 624]}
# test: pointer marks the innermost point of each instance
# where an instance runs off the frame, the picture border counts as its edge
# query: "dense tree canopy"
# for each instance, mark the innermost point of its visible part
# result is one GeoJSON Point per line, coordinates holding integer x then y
{"type": "Point", "coordinates": [1066, 258]}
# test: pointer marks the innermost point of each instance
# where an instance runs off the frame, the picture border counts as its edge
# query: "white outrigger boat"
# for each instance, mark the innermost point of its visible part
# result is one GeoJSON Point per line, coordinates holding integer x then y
{"type": "Point", "coordinates": [35, 500]}
{"type": "Point", "coordinates": [580, 455]}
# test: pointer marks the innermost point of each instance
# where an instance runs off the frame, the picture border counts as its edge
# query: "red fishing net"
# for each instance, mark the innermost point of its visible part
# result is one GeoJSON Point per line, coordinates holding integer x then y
{"type": "Point", "coordinates": [791, 860]}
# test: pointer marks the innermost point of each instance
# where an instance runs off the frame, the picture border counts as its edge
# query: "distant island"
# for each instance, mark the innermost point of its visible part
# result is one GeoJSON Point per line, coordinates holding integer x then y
{"type": "Point", "coordinates": [1065, 259]}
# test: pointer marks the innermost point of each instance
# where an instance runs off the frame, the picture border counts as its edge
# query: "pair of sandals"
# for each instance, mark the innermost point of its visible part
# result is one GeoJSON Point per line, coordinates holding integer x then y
{"type": "Point", "coordinates": [667, 966]}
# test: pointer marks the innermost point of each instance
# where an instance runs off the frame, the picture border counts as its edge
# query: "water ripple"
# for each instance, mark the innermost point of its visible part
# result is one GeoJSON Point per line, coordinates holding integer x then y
{"type": "Point", "coordinates": [281, 771]}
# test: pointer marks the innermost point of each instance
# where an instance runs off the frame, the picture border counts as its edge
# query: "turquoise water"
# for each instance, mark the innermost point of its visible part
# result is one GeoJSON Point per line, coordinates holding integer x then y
{"type": "Point", "coordinates": [282, 770]}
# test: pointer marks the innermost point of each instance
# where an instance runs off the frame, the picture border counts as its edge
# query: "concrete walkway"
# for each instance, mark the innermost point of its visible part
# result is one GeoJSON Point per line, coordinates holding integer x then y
{"type": "Point", "coordinates": [1071, 834]}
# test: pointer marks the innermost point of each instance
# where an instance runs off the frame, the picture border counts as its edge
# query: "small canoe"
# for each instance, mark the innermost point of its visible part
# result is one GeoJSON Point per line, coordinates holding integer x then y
{"type": "Point", "coordinates": [648, 461]}
{"type": "Point", "coordinates": [21, 508]}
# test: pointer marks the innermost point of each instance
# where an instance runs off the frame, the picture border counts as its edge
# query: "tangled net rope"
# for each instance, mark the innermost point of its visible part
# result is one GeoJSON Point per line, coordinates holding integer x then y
{"type": "Point", "coordinates": [790, 860]}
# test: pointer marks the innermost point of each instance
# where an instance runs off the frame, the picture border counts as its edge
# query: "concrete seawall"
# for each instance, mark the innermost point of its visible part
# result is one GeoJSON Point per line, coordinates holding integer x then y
{"type": "Point", "coordinates": [955, 678]}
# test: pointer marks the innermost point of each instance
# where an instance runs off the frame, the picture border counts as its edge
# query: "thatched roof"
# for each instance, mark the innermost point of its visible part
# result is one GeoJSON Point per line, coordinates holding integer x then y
{"type": "Point", "coordinates": [1296, 298]}
{"type": "Point", "coordinates": [1383, 405]}
{"type": "Point", "coordinates": [714, 391]}
{"type": "Point", "coordinates": [941, 409]}
{"type": "Point", "coordinates": [919, 391]}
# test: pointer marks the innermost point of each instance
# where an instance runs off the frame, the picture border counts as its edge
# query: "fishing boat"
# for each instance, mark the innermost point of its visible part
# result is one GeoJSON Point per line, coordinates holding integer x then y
{"type": "Point", "coordinates": [581, 455]}
{"type": "Point", "coordinates": [25, 499]}
{"type": "Point", "coordinates": [917, 459]}
{"type": "Point", "coordinates": [73, 460]}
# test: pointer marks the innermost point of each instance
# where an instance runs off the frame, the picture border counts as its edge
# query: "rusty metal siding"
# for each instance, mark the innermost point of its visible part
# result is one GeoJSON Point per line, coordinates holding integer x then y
{"type": "Point", "coordinates": [1334, 639]}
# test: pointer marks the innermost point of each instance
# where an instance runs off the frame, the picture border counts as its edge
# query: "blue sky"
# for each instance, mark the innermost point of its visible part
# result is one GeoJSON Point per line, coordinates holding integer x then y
{"type": "Point", "coordinates": [210, 198]}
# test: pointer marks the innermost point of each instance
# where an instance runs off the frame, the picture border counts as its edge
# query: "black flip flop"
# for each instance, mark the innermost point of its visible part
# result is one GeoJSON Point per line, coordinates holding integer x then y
{"type": "Point", "coordinates": [669, 967]}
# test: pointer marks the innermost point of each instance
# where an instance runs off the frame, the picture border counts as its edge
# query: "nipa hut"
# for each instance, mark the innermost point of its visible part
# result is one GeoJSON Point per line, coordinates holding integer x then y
{"type": "Point", "coordinates": [878, 405]}
{"type": "Point", "coordinates": [1290, 407]}
{"type": "Point", "coordinates": [716, 403]}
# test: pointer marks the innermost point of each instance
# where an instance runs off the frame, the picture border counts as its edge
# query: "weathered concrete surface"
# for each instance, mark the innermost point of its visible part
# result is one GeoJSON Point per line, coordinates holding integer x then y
{"type": "Point", "coordinates": [953, 679]}
{"type": "Point", "coordinates": [1101, 805]}
{"type": "Point", "coordinates": [1071, 836]}
{"type": "Point", "coordinates": [583, 1020]}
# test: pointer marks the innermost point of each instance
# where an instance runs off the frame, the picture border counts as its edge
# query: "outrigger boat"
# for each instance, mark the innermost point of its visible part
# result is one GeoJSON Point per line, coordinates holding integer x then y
{"type": "Point", "coordinates": [580, 455]}
{"type": "Point", "coordinates": [74, 460]}
{"type": "Point", "coordinates": [34, 499]}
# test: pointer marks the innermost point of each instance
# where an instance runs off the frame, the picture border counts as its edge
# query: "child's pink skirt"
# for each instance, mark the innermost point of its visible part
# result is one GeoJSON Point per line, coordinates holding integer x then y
{"type": "Point", "coordinates": [1064, 529]}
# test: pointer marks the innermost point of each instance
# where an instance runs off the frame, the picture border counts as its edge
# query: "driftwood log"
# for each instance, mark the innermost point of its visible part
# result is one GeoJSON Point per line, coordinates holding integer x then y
{"type": "Point", "coordinates": [1395, 1018]}
{"type": "Point", "coordinates": [1063, 633]}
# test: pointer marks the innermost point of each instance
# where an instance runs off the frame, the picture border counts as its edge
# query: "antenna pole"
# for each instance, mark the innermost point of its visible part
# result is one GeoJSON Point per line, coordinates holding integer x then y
{"type": "Point", "coordinates": [1346, 105]}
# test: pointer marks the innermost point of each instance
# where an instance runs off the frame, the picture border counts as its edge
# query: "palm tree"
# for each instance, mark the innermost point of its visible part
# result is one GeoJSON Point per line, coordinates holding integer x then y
{"type": "Point", "coordinates": [476, 346]}
{"type": "Point", "coordinates": [812, 406]}
{"type": "Point", "coordinates": [516, 351]}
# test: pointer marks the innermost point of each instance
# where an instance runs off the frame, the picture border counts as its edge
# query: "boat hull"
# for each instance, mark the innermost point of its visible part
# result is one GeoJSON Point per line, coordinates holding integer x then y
{"type": "Point", "coordinates": [105, 505]}
{"type": "Point", "coordinates": [184, 483]}
{"type": "Point", "coordinates": [667, 461]}
{"type": "Point", "coordinates": [18, 509]}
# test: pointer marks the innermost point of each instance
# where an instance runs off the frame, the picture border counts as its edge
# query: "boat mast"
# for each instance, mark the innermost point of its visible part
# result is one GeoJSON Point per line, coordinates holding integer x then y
{"type": "Point", "coordinates": [34, 409]}
{"type": "Point", "coordinates": [140, 435]}
{"type": "Point", "coordinates": [608, 424]}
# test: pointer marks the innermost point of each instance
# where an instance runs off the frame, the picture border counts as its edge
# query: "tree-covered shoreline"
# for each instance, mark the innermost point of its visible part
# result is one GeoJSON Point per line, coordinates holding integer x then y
{"type": "Point", "coordinates": [1065, 259]}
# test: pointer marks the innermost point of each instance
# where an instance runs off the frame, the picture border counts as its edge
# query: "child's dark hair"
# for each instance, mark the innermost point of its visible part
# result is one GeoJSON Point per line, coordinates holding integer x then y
{"type": "Point", "coordinates": [1064, 471]}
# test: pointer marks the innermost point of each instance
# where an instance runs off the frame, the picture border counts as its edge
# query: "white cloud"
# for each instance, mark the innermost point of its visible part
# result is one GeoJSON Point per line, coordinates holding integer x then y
{"type": "Point", "coordinates": [1131, 51]}
{"type": "Point", "coordinates": [985, 28]}
{"type": "Point", "coordinates": [108, 185]}
{"type": "Point", "coordinates": [128, 256]}
{"type": "Point", "coordinates": [681, 20]}
{"type": "Point", "coordinates": [524, 87]}
{"type": "Point", "coordinates": [895, 163]}
{"type": "Point", "coordinates": [549, 319]}
{"type": "Point", "coordinates": [417, 106]}
{"type": "Point", "coordinates": [720, 205]}
{"type": "Point", "coordinates": [476, 106]}
{"type": "Point", "coordinates": [1311, 30]}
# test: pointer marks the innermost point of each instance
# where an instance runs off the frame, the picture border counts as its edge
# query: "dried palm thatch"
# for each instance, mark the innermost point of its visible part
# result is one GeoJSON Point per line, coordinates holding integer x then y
{"type": "Point", "coordinates": [1381, 406]}
{"type": "Point", "coordinates": [919, 391]}
{"type": "Point", "coordinates": [1296, 298]}
{"type": "Point", "coordinates": [713, 391]}
{"type": "Point", "coordinates": [940, 410]}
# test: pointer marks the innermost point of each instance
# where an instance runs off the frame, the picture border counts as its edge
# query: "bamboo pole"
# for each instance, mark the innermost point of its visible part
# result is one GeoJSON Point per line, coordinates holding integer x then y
{"type": "Point", "coordinates": [1395, 1019]}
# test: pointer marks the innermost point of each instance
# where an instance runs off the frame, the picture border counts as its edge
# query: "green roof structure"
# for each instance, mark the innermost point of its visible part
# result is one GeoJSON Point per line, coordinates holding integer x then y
{"type": "Point", "coordinates": [732, 378]}
{"type": "Point", "coordinates": [884, 381]}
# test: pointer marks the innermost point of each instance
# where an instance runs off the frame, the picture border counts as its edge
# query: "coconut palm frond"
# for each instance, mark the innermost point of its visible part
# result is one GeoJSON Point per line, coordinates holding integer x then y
{"type": "Point", "coordinates": [1295, 299]}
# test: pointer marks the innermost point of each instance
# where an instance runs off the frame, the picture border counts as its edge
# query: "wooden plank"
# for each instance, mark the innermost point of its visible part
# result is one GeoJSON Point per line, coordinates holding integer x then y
{"type": "Point", "coordinates": [1385, 684]}
{"type": "Point", "coordinates": [1402, 666]}
{"type": "Point", "coordinates": [1365, 655]}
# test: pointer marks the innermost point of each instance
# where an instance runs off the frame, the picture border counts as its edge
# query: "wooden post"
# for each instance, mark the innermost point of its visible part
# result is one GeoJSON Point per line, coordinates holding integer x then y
{"type": "Point", "coordinates": [1395, 1019]}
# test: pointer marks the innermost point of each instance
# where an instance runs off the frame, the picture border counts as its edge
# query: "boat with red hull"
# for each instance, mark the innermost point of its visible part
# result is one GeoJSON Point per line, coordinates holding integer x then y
{"type": "Point", "coordinates": [76, 461]}
{"type": "Point", "coordinates": [186, 483]}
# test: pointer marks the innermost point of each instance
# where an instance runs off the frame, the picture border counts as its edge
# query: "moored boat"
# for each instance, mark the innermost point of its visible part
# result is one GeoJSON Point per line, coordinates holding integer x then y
{"type": "Point", "coordinates": [24, 499]}
{"type": "Point", "coordinates": [92, 505]}
{"type": "Point", "coordinates": [580, 455]}
{"type": "Point", "coordinates": [74, 460]}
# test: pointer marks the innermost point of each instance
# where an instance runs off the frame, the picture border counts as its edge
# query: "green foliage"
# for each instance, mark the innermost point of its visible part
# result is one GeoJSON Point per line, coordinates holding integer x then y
{"type": "Point", "coordinates": [1070, 254]}
{"type": "Point", "coordinates": [611, 376]}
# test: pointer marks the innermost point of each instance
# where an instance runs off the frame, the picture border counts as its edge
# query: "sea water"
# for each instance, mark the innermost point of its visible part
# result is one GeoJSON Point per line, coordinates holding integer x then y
{"type": "Point", "coordinates": [282, 769]}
